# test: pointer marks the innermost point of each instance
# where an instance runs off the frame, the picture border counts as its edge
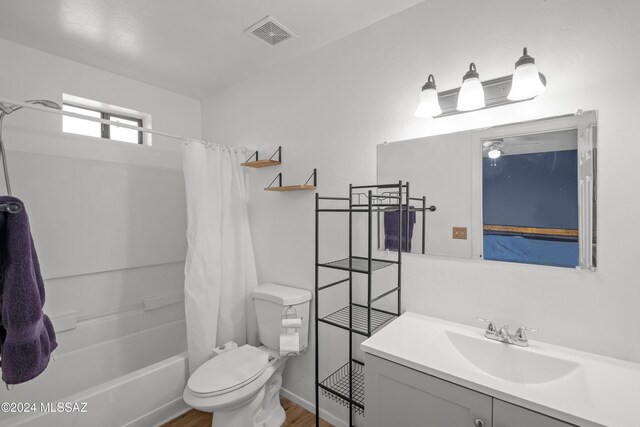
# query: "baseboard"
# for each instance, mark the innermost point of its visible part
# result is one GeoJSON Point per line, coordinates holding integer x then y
{"type": "Point", "coordinates": [324, 414]}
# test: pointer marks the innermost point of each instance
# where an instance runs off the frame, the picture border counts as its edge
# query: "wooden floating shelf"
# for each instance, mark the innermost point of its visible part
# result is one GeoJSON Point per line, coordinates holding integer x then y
{"type": "Point", "coordinates": [264, 163]}
{"type": "Point", "coordinates": [299, 187]}
{"type": "Point", "coordinates": [292, 188]}
{"type": "Point", "coordinates": [261, 163]}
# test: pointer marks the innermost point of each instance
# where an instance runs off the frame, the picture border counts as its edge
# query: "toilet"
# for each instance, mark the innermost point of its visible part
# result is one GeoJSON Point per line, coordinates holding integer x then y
{"type": "Point", "coordinates": [241, 386]}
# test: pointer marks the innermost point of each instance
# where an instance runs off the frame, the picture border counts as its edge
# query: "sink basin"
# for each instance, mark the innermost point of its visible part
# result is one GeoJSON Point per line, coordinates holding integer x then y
{"type": "Point", "coordinates": [508, 362]}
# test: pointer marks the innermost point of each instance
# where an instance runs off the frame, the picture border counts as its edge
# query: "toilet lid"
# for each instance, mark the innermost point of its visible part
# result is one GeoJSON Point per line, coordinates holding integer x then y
{"type": "Point", "coordinates": [229, 371]}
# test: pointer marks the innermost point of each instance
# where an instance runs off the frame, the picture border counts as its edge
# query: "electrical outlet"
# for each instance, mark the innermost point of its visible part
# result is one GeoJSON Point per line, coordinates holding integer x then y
{"type": "Point", "coordinates": [460, 233]}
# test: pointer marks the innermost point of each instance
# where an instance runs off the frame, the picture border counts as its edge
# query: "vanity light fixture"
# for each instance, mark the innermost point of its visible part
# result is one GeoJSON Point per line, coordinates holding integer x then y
{"type": "Point", "coordinates": [471, 95]}
{"type": "Point", "coordinates": [526, 83]}
{"type": "Point", "coordinates": [429, 105]}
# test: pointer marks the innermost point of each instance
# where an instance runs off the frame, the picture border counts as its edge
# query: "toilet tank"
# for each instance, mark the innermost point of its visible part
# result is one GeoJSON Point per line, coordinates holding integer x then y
{"type": "Point", "coordinates": [271, 301]}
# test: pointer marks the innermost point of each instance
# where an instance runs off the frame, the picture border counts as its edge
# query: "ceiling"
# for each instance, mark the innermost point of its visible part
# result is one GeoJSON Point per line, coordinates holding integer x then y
{"type": "Point", "coordinates": [194, 47]}
{"type": "Point", "coordinates": [535, 143]}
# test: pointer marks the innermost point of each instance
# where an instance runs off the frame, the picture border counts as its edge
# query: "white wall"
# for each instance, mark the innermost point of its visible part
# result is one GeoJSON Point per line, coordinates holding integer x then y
{"type": "Point", "coordinates": [108, 218]}
{"type": "Point", "coordinates": [329, 109]}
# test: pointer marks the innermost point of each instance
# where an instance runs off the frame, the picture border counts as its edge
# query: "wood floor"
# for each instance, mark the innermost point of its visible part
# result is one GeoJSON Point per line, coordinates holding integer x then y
{"type": "Point", "coordinates": [297, 416]}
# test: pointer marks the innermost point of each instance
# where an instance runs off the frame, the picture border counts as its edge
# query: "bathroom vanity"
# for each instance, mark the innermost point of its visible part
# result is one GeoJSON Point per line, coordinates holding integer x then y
{"type": "Point", "coordinates": [427, 371]}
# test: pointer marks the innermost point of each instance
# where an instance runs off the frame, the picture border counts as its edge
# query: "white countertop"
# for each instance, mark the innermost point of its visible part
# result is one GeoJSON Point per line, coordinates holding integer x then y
{"type": "Point", "coordinates": [601, 391]}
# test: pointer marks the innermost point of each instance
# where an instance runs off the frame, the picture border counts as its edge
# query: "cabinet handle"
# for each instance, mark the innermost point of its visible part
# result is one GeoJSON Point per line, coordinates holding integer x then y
{"type": "Point", "coordinates": [478, 422]}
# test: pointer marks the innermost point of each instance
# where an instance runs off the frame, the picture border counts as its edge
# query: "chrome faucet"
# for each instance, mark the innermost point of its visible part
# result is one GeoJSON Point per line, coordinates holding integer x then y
{"type": "Point", "coordinates": [503, 335]}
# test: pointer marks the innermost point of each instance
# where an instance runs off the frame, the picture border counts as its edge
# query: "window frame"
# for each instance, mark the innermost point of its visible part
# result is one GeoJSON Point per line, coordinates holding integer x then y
{"type": "Point", "coordinates": [105, 130]}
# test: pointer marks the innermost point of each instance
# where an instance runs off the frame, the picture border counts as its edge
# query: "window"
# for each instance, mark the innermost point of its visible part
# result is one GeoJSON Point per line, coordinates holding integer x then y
{"type": "Point", "coordinates": [99, 130]}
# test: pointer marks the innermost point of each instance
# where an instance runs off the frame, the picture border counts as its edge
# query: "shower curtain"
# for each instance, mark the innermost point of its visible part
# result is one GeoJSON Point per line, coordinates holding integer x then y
{"type": "Point", "coordinates": [220, 270]}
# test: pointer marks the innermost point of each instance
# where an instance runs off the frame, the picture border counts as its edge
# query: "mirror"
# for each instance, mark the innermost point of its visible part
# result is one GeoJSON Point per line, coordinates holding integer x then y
{"type": "Point", "coordinates": [530, 198]}
{"type": "Point", "coordinates": [523, 192]}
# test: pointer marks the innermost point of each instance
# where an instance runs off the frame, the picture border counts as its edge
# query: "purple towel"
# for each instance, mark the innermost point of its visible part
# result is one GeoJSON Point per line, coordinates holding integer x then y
{"type": "Point", "coordinates": [391, 229]}
{"type": "Point", "coordinates": [27, 337]}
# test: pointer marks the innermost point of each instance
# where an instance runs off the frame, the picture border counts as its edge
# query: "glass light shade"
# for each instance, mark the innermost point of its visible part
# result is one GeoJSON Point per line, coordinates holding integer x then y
{"type": "Point", "coordinates": [471, 96]}
{"type": "Point", "coordinates": [429, 105]}
{"type": "Point", "coordinates": [494, 153]}
{"type": "Point", "coordinates": [526, 83]}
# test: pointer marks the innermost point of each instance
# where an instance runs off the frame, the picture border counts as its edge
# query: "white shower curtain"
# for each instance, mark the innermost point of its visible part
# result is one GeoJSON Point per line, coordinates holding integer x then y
{"type": "Point", "coordinates": [220, 270]}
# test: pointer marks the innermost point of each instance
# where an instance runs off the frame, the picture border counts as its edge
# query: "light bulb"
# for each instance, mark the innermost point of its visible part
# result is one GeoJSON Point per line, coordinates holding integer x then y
{"type": "Point", "coordinates": [471, 96]}
{"type": "Point", "coordinates": [494, 153]}
{"type": "Point", "coordinates": [526, 82]}
{"type": "Point", "coordinates": [429, 105]}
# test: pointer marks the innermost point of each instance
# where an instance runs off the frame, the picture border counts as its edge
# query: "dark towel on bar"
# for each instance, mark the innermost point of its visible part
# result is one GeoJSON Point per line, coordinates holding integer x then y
{"type": "Point", "coordinates": [391, 229]}
{"type": "Point", "coordinates": [27, 337]}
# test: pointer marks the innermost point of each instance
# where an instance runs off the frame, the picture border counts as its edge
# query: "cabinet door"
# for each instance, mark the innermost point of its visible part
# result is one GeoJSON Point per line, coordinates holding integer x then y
{"type": "Point", "coordinates": [508, 415]}
{"type": "Point", "coordinates": [402, 397]}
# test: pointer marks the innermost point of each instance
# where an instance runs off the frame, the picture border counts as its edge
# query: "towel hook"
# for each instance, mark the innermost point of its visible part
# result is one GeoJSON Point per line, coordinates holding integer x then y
{"type": "Point", "coordinates": [11, 207]}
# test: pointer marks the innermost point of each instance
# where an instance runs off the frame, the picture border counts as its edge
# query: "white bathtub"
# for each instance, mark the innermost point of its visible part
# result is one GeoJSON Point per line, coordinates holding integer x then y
{"type": "Point", "coordinates": [135, 380]}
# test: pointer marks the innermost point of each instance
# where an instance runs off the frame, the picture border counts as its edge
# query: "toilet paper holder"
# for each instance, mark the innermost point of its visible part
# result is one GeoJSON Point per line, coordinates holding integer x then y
{"type": "Point", "coordinates": [290, 320]}
{"type": "Point", "coordinates": [289, 336]}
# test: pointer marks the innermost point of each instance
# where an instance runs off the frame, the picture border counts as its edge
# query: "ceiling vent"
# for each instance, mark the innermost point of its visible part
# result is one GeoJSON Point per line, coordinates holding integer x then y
{"type": "Point", "coordinates": [270, 31]}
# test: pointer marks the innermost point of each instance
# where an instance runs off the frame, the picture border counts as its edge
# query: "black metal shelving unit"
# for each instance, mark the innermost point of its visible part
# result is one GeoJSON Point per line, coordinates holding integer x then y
{"type": "Point", "coordinates": [346, 384]}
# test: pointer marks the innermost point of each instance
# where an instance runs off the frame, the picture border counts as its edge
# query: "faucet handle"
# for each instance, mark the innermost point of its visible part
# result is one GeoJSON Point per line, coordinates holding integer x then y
{"type": "Point", "coordinates": [492, 330]}
{"type": "Point", "coordinates": [520, 335]}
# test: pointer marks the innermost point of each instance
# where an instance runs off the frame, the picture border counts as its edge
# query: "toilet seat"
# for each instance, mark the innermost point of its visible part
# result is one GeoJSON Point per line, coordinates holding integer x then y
{"type": "Point", "coordinates": [229, 371]}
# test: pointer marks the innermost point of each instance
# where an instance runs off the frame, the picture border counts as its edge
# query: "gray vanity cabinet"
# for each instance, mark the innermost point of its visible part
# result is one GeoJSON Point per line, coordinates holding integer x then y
{"type": "Point", "coordinates": [508, 415]}
{"type": "Point", "coordinates": [402, 397]}
{"type": "Point", "coordinates": [399, 396]}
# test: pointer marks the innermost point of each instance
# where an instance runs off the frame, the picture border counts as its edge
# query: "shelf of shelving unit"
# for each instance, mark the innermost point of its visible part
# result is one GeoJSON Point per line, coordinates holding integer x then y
{"type": "Point", "coordinates": [336, 386]}
{"type": "Point", "coordinates": [359, 319]}
{"type": "Point", "coordinates": [346, 385]}
{"type": "Point", "coordinates": [358, 264]}
{"type": "Point", "coordinates": [299, 187]}
{"type": "Point", "coordinates": [264, 163]}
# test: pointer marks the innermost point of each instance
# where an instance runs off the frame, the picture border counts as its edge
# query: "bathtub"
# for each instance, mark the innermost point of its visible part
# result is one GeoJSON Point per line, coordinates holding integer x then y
{"type": "Point", "coordinates": [135, 380]}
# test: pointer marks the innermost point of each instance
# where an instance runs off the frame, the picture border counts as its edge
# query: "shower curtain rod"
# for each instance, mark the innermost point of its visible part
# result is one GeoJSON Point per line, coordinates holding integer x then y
{"type": "Point", "coordinates": [94, 119]}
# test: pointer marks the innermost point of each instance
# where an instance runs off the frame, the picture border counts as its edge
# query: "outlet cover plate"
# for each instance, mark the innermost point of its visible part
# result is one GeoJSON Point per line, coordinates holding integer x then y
{"type": "Point", "coordinates": [460, 233]}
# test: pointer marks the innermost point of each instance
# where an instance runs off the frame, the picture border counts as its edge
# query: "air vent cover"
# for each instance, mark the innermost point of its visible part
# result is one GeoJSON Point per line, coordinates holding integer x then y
{"type": "Point", "coordinates": [270, 31]}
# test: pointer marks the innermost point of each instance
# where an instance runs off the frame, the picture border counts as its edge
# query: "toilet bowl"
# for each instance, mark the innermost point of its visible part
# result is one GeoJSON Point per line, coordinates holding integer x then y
{"type": "Point", "coordinates": [241, 386]}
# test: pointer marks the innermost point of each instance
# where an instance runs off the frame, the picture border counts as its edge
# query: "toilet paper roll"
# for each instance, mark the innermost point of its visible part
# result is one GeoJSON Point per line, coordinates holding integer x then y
{"type": "Point", "coordinates": [289, 343]}
{"type": "Point", "coordinates": [291, 323]}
